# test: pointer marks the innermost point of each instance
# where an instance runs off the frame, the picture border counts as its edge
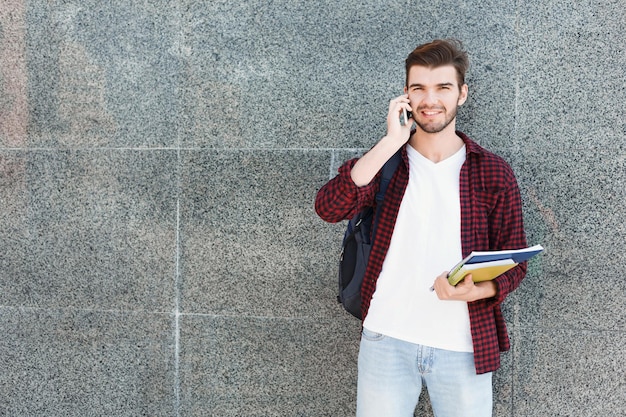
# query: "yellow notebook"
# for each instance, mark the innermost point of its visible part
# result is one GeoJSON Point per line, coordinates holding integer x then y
{"type": "Point", "coordinates": [483, 271]}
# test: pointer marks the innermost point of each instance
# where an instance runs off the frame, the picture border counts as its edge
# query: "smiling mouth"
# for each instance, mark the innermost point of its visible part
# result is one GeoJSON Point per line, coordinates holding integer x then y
{"type": "Point", "coordinates": [431, 111]}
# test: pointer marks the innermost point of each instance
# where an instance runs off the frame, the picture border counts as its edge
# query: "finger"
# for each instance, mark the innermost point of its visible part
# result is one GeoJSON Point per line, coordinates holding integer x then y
{"type": "Point", "coordinates": [466, 284]}
{"type": "Point", "coordinates": [400, 99]}
{"type": "Point", "coordinates": [400, 108]}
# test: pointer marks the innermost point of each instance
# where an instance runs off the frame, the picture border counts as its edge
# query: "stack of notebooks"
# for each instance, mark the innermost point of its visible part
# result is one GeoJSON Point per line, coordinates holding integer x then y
{"type": "Point", "coordinates": [485, 266]}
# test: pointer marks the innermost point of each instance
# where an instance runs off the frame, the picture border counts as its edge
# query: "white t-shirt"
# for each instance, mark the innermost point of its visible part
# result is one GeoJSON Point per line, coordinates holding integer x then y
{"type": "Point", "coordinates": [426, 241]}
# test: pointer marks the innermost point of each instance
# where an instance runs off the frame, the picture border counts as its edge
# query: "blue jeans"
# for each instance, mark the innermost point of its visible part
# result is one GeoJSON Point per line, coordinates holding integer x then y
{"type": "Point", "coordinates": [391, 374]}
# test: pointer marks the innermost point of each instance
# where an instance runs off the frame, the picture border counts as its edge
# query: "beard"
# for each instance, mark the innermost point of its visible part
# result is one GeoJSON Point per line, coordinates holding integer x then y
{"type": "Point", "coordinates": [436, 127]}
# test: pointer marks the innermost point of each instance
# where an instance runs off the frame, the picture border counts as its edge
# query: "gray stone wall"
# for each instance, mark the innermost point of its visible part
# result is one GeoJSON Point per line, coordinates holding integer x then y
{"type": "Point", "coordinates": [160, 255]}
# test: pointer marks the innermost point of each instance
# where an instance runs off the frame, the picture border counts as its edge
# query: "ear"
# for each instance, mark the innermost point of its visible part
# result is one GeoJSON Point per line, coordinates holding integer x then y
{"type": "Point", "coordinates": [405, 89]}
{"type": "Point", "coordinates": [463, 95]}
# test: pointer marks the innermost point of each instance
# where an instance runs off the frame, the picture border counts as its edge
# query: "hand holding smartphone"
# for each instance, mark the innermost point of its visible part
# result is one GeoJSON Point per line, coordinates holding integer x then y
{"type": "Point", "coordinates": [405, 116]}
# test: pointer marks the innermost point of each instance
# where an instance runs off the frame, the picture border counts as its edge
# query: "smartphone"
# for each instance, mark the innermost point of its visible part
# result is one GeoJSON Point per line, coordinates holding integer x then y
{"type": "Point", "coordinates": [405, 116]}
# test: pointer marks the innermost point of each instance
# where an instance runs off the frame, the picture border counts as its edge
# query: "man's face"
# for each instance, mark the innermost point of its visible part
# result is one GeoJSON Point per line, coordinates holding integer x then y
{"type": "Point", "coordinates": [435, 95]}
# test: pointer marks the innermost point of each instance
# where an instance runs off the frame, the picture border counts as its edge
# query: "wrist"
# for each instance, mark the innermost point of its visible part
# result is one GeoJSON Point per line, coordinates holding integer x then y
{"type": "Point", "coordinates": [395, 141]}
{"type": "Point", "coordinates": [487, 289]}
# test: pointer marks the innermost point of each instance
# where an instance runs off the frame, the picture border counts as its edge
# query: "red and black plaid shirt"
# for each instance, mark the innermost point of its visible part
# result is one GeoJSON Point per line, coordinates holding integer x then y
{"type": "Point", "coordinates": [491, 219]}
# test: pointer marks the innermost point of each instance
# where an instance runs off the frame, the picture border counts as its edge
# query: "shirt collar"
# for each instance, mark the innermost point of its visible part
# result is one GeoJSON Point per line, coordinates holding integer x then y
{"type": "Point", "coordinates": [470, 145]}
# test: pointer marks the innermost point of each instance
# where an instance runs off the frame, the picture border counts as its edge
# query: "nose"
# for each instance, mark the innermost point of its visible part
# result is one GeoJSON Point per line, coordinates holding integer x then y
{"type": "Point", "coordinates": [430, 97]}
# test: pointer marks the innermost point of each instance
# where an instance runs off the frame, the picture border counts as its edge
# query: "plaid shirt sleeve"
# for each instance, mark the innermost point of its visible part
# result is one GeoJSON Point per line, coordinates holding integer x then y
{"type": "Point", "coordinates": [340, 198]}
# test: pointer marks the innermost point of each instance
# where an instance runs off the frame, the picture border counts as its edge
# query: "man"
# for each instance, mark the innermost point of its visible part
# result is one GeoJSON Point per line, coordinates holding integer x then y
{"type": "Point", "coordinates": [448, 197]}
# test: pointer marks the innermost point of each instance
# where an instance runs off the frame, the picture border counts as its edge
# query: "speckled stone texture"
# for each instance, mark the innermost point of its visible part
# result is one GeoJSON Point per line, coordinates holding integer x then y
{"type": "Point", "coordinates": [158, 166]}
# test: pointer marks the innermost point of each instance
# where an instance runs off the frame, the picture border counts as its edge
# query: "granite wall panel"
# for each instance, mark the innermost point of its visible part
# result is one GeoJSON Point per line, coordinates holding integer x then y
{"type": "Point", "coordinates": [160, 254]}
{"type": "Point", "coordinates": [92, 229]}
{"type": "Point", "coordinates": [62, 362]}
{"type": "Point", "coordinates": [102, 74]}
{"type": "Point", "coordinates": [574, 201]}
{"type": "Point", "coordinates": [565, 372]}
{"type": "Point", "coordinates": [251, 243]}
{"type": "Point", "coordinates": [266, 366]}
{"type": "Point", "coordinates": [571, 74]}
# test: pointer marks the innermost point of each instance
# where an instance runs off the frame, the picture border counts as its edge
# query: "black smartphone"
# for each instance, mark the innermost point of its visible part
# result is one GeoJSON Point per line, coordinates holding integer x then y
{"type": "Point", "coordinates": [405, 116]}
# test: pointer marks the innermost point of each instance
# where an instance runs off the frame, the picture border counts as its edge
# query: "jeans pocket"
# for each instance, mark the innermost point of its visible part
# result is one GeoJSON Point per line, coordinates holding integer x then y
{"type": "Point", "coordinates": [372, 336]}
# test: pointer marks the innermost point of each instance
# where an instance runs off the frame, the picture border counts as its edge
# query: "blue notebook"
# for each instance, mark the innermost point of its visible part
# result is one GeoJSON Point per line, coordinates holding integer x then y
{"type": "Point", "coordinates": [517, 256]}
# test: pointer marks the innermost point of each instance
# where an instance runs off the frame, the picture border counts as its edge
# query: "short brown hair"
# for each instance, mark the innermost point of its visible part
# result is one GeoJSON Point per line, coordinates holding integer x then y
{"type": "Point", "coordinates": [439, 53]}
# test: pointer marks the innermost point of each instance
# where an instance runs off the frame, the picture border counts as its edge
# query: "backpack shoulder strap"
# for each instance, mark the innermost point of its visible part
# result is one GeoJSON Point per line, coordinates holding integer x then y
{"type": "Point", "coordinates": [385, 178]}
{"type": "Point", "coordinates": [387, 172]}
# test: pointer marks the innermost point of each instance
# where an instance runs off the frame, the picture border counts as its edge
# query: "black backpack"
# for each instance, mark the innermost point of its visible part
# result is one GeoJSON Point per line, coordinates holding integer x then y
{"type": "Point", "coordinates": [357, 244]}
